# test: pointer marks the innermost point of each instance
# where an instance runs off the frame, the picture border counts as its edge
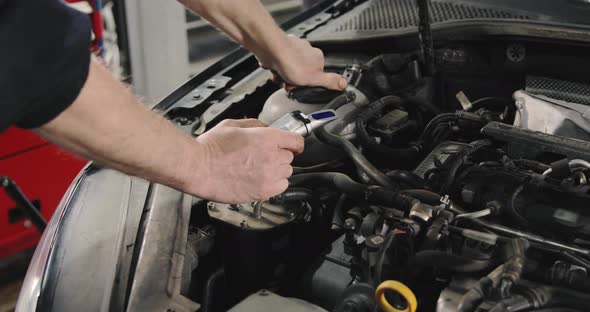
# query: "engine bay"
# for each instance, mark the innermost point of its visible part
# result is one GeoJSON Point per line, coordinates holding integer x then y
{"type": "Point", "coordinates": [462, 188]}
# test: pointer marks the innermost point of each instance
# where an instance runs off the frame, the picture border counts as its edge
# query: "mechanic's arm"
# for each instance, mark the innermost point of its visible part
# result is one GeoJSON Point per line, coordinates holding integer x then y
{"type": "Point", "coordinates": [235, 162]}
{"type": "Point", "coordinates": [248, 22]}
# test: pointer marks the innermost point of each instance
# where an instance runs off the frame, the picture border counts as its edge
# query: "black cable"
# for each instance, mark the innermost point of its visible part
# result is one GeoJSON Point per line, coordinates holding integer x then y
{"type": "Point", "coordinates": [318, 167]}
{"type": "Point", "coordinates": [357, 157]}
{"type": "Point", "coordinates": [479, 103]}
{"type": "Point", "coordinates": [14, 192]}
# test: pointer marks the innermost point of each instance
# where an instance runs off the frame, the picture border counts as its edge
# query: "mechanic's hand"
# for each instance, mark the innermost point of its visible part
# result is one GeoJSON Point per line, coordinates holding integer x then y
{"type": "Point", "coordinates": [246, 161]}
{"type": "Point", "coordinates": [300, 64]}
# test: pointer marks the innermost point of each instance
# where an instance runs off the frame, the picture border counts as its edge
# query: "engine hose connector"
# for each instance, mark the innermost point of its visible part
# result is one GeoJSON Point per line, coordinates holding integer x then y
{"type": "Point", "coordinates": [516, 249]}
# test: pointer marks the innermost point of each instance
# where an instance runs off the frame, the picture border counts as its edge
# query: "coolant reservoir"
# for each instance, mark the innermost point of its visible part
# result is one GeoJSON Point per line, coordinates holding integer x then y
{"type": "Point", "coordinates": [279, 104]}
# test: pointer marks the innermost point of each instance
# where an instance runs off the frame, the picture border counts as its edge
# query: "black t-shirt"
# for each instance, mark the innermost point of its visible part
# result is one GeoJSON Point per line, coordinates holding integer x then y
{"type": "Point", "coordinates": [44, 60]}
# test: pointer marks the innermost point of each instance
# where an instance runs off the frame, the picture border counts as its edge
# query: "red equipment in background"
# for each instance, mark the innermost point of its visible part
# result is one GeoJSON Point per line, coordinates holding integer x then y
{"type": "Point", "coordinates": [43, 171]}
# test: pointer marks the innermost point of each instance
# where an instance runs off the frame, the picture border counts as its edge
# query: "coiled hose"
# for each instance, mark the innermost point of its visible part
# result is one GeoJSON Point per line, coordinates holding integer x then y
{"type": "Point", "coordinates": [403, 155]}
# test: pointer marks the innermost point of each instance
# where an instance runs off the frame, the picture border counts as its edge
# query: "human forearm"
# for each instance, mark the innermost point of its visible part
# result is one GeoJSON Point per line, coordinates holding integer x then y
{"type": "Point", "coordinates": [293, 59]}
{"type": "Point", "coordinates": [245, 21]}
{"type": "Point", "coordinates": [237, 161]}
{"type": "Point", "coordinates": [107, 124]}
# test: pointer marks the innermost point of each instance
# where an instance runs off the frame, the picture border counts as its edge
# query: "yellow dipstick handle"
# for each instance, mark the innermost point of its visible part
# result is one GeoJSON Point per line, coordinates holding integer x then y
{"type": "Point", "coordinates": [399, 288]}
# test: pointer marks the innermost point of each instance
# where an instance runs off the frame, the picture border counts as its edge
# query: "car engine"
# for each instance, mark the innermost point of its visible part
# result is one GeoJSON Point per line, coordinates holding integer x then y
{"type": "Point", "coordinates": [457, 181]}
{"type": "Point", "coordinates": [405, 204]}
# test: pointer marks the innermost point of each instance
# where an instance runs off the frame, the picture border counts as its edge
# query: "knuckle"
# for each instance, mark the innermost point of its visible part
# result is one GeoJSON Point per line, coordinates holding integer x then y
{"type": "Point", "coordinates": [225, 123]}
{"type": "Point", "coordinates": [290, 157]}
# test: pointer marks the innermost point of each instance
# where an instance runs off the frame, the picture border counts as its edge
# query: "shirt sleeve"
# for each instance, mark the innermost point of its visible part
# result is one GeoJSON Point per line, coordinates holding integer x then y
{"type": "Point", "coordinates": [44, 60]}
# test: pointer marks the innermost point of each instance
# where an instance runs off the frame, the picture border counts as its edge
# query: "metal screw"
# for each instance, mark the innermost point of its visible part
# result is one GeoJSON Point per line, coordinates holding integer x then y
{"type": "Point", "coordinates": [183, 121]}
{"type": "Point", "coordinates": [197, 96]}
{"type": "Point", "coordinates": [27, 224]}
{"type": "Point", "coordinates": [263, 292]}
{"type": "Point", "coordinates": [244, 224]}
{"type": "Point", "coordinates": [211, 206]}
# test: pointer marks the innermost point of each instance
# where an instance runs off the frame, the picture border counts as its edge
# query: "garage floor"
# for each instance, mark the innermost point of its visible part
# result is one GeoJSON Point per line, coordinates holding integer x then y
{"type": "Point", "coordinates": [9, 294]}
{"type": "Point", "coordinates": [12, 271]}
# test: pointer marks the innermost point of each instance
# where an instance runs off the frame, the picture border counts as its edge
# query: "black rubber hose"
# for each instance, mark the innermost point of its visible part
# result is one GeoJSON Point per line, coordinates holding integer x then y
{"type": "Point", "coordinates": [562, 297]}
{"type": "Point", "coordinates": [404, 155]}
{"type": "Point", "coordinates": [424, 196]}
{"type": "Point", "coordinates": [557, 309]}
{"type": "Point", "coordinates": [207, 301]}
{"type": "Point", "coordinates": [475, 295]}
{"type": "Point", "coordinates": [292, 194]}
{"type": "Point", "coordinates": [446, 117]}
{"type": "Point", "coordinates": [14, 192]}
{"type": "Point", "coordinates": [338, 180]}
{"type": "Point", "coordinates": [354, 190]}
{"type": "Point", "coordinates": [407, 177]}
{"type": "Point", "coordinates": [511, 206]}
{"type": "Point", "coordinates": [577, 260]}
{"type": "Point", "coordinates": [458, 162]}
{"type": "Point", "coordinates": [426, 137]}
{"type": "Point", "coordinates": [544, 297]}
{"type": "Point", "coordinates": [341, 100]}
{"type": "Point", "coordinates": [448, 261]}
{"type": "Point", "coordinates": [357, 157]}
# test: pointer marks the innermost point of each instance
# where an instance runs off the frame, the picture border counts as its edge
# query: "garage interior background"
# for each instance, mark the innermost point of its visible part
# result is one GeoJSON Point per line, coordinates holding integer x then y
{"type": "Point", "coordinates": [154, 45]}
